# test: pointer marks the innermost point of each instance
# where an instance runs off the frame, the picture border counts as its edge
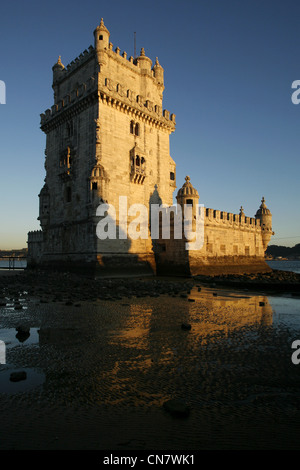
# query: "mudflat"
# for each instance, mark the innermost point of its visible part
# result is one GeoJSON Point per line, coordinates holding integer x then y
{"type": "Point", "coordinates": [101, 358]}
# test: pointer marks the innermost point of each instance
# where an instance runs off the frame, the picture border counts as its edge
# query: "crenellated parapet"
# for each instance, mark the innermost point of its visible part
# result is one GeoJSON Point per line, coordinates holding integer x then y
{"type": "Point", "coordinates": [79, 97]}
{"type": "Point", "coordinates": [60, 72]}
{"type": "Point", "coordinates": [114, 94]}
{"type": "Point", "coordinates": [229, 219]}
{"type": "Point", "coordinates": [35, 236]}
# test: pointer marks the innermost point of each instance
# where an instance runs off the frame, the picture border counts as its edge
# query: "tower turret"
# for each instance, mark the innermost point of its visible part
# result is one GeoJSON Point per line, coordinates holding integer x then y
{"type": "Point", "coordinates": [144, 62]}
{"type": "Point", "coordinates": [44, 207]}
{"type": "Point", "coordinates": [58, 73]}
{"type": "Point", "coordinates": [265, 217]}
{"type": "Point", "coordinates": [158, 73]}
{"type": "Point", "coordinates": [58, 70]}
{"type": "Point", "coordinates": [188, 196]}
{"type": "Point", "coordinates": [101, 37]}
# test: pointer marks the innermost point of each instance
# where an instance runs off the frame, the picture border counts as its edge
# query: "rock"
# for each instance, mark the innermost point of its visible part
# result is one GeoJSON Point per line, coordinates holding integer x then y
{"type": "Point", "coordinates": [177, 408]}
{"type": "Point", "coordinates": [23, 329]}
{"type": "Point", "coordinates": [186, 326]}
{"type": "Point", "coordinates": [18, 376]}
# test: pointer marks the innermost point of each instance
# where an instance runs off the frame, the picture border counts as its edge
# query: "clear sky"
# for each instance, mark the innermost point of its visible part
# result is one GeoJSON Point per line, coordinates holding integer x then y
{"type": "Point", "coordinates": [229, 66]}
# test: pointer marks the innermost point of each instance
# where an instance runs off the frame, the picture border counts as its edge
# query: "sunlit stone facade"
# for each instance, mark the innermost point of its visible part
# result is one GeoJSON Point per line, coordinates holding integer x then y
{"type": "Point", "coordinates": [107, 135]}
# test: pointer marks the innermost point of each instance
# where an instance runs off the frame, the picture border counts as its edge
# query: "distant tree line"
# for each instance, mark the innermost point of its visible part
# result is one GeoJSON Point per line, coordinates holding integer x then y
{"type": "Point", "coordinates": [20, 253]}
{"type": "Point", "coordinates": [283, 251]}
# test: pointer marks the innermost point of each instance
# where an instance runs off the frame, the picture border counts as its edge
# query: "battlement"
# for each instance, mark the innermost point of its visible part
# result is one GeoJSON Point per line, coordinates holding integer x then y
{"type": "Point", "coordinates": [86, 55]}
{"type": "Point", "coordinates": [229, 219]}
{"type": "Point", "coordinates": [114, 93]}
{"type": "Point", "coordinates": [35, 236]}
{"type": "Point", "coordinates": [78, 93]}
{"type": "Point", "coordinates": [136, 64]}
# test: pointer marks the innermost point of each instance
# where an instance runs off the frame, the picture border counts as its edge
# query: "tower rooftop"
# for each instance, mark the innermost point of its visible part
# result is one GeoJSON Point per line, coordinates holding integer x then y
{"type": "Point", "coordinates": [187, 189]}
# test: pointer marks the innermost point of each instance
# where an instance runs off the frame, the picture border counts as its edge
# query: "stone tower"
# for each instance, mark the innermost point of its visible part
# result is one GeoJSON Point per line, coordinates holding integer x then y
{"type": "Point", "coordinates": [107, 136]}
{"type": "Point", "coordinates": [107, 159]}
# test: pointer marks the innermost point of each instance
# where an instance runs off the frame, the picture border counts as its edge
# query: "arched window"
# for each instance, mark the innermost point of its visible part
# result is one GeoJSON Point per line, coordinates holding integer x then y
{"type": "Point", "coordinates": [94, 185]}
{"type": "Point", "coordinates": [189, 202]}
{"type": "Point", "coordinates": [131, 127]}
{"type": "Point", "coordinates": [137, 161]}
{"type": "Point", "coordinates": [137, 129]}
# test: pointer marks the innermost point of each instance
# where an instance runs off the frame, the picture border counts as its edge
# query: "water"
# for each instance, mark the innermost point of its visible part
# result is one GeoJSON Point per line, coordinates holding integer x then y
{"type": "Point", "coordinates": [285, 265]}
{"type": "Point", "coordinates": [99, 373]}
{"type": "Point", "coordinates": [19, 264]}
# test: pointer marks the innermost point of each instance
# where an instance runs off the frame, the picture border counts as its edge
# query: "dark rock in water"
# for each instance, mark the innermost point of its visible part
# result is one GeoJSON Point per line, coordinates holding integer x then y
{"type": "Point", "coordinates": [177, 408]}
{"type": "Point", "coordinates": [23, 332]}
{"type": "Point", "coordinates": [23, 329]}
{"type": "Point", "coordinates": [18, 376]}
{"type": "Point", "coordinates": [186, 326]}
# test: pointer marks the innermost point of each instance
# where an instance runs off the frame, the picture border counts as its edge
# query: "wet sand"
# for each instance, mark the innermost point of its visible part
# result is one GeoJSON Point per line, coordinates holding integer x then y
{"type": "Point", "coordinates": [103, 356]}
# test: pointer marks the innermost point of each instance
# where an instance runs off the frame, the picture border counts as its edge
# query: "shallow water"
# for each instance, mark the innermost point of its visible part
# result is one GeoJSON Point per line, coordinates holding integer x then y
{"type": "Point", "coordinates": [285, 265]}
{"type": "Point", "coordinates": [99, 373]}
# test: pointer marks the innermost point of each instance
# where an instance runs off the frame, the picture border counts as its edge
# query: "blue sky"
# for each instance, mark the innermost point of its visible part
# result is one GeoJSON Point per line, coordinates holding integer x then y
{"type": "Point", "coordinates": [229, 66]}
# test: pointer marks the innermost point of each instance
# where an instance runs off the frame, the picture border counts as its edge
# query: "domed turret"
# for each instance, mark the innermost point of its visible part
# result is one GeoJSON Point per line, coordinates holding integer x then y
{"type": "Point", "coordinates": [144, 62]}
{"type": "Point", "coordinates": [187, 191]}
{"type": "Point", "coordinates": [101, 35]}
{"type": "Point", "coordinates": [265, 217]}
{"type": "Point", "coordinates": [188, 196]}
{"type": "Point", "coordinates": [158, 72]}
{"type": "Point", "coordinates": [58, 70]}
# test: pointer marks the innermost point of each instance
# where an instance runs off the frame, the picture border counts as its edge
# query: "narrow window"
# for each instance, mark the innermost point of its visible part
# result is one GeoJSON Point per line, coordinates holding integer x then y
{"type": "Point", "coordinates": [100, 37]}
{"type": "Point", "coordinates": [172, 176]}
{"type": "Point", "coordinates": [137, 129]}
{"type": "Point", "coordinates": [189, 201]}
{"type": "Point", "coordinates": [94, 185]}
{"type": "Point", "coordinates": [68, 194]}
{"type": "Point", "coordinates": [137, 161]}
{"type": "Point", "coordinates": [131, 127]}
